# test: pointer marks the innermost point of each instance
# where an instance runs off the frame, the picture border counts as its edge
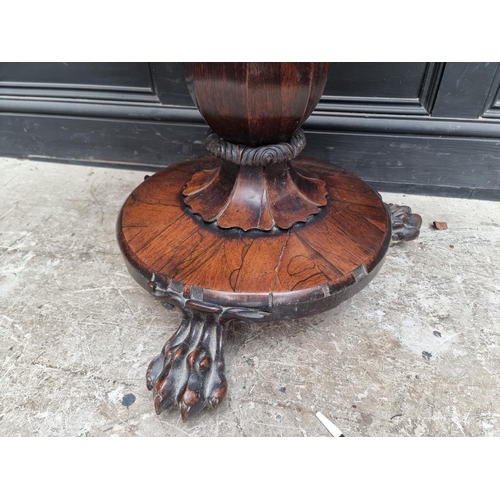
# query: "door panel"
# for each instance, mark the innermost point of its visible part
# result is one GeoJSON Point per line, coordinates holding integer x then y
{"type": "Point", "coordinates": [387, 88]}
{"type": "Point", "coordinates": [464, 90]}
{"type": "Point", "coordinates": [97, 81]}
{"type": "Point", "coordinates": [132, 76]}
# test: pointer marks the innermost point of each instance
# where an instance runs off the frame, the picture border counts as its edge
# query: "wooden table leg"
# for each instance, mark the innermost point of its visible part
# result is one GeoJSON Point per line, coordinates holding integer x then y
{"type": "Point", "coordinates": [253, 230]}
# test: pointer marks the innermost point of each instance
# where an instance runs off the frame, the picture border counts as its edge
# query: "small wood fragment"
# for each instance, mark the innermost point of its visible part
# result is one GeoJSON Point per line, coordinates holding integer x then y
{"type": "Point", "coordinates": [440, 225]}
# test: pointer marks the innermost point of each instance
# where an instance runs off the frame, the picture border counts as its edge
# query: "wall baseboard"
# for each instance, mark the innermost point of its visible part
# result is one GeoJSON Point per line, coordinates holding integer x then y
{"type": "Point", "coordinates": [445, 157]}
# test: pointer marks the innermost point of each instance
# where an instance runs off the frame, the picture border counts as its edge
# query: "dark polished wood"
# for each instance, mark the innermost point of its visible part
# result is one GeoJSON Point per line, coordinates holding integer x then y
{"type": "Point", "coordinates": [197, 345]}
{"type": "Point", "coordinates": [215, 275]}
{"type": "Point", "coordinates": [255, 110]}
{"type": "Point", "coordinates": [253, 231]}
{"type": "Point", "coordinates": [160, 237]}
{"type": "Point", "coordinates": [256, 103]}
{"type": "Point", "coordinates": [255, 197]}
{"type": "Point", "coordinates": [405, 224]}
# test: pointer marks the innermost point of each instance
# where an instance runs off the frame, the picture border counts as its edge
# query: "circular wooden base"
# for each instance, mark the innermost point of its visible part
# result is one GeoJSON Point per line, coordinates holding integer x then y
{"type": "Point", "coordinates": [305, 269]}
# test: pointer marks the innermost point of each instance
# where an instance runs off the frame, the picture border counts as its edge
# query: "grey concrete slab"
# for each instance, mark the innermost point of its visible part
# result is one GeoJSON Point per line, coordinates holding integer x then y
{"type": "Point", "coordinates": [417, 353]}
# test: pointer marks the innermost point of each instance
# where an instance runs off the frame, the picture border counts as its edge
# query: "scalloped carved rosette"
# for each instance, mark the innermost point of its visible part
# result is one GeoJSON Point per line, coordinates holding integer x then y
{"type": "Point", "coordinates": [255, 188]}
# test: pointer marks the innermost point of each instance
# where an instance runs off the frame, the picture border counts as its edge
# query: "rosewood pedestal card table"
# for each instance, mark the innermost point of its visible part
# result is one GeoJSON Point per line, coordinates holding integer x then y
{"type": "Point", "coordinates": [253, 230]}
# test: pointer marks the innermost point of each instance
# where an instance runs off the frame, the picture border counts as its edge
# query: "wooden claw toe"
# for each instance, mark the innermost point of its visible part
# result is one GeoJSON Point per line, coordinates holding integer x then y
{"type": "Point", "coordinates": [405, 224]}
{"type": "Point", "coordinates": [188, 374]}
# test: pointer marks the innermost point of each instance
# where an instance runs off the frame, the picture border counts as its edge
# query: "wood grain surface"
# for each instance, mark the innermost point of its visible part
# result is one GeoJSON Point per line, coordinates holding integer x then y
{"type": "Point", "coordinates": [254, 197]}
{"type": "Point", "coordinates": [256, 103]}
{"type": "Point", "coordinates": [160, 237]}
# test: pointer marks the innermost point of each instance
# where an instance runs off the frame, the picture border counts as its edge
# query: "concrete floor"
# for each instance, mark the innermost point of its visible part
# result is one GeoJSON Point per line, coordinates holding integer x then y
{"type": "Point", "coordinates": [417, 353]}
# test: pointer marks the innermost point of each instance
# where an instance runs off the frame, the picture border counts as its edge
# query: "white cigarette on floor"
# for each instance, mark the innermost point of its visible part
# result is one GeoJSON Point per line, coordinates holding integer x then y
{"type": "Point", "coordinates": [330, 427]}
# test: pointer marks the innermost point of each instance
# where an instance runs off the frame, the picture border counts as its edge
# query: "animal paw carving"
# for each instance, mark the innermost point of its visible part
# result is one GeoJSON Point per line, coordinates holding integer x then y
{"type": "Point", "coordinates": [405, 224]}
{"type": "Point", "coordinates": [189, 372]}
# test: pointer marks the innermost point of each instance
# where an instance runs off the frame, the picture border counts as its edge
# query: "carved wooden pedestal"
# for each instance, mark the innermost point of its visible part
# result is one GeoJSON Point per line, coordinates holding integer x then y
{"type": "Point", "coordinates": [253, 230]}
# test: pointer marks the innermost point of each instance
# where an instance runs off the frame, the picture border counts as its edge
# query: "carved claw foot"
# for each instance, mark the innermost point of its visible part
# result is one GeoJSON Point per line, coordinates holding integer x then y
{"type": "Point", "coordinates": [189, 372]}
{"type": "Point", "coordinates": [405, 224]}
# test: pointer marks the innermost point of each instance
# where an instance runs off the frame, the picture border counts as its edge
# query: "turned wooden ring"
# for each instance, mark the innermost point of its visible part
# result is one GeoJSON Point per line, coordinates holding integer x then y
{"type": "Point", "coordinates": [269, 154]}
